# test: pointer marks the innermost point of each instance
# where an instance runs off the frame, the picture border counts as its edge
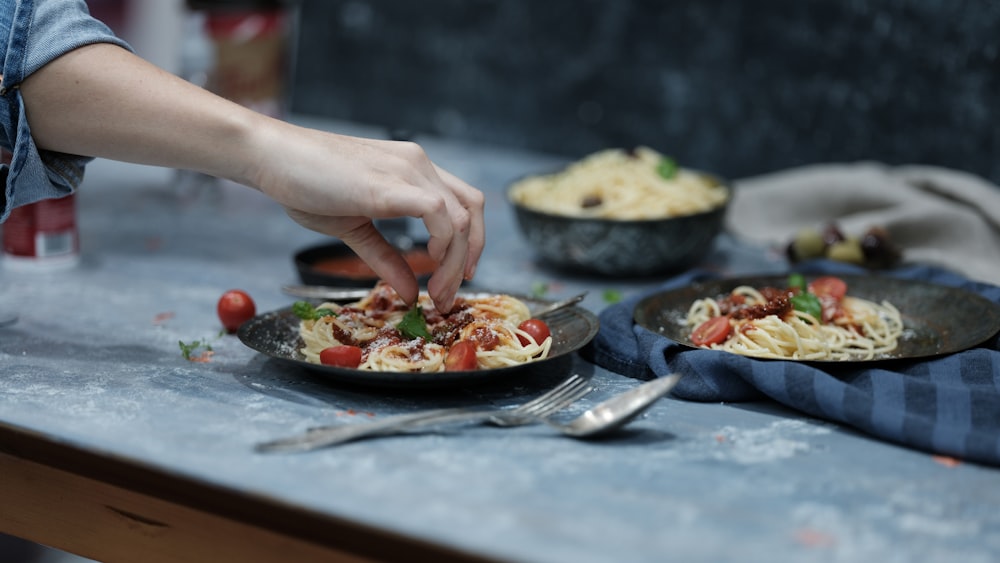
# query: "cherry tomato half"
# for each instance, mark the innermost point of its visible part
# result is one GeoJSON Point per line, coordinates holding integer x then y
{"type": "Point", "coordinates": [461, 356]}
{"type": "Point", "coordinates": [341, 356]}
{"type": "Point", "coordinates": [712, 331]}
{"type": "Point", "coordinates": [828, 286]}
{"type": "Point", "coordinates": [831, 291]}
{"type": "Point", "coordinates": [235, 307]}
{"type": "Point", "coordinates": [536, 328]}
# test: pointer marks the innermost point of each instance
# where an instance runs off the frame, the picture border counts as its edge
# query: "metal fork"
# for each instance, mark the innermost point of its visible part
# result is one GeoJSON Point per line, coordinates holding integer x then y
{"type": "Point", "coordinates": [554, 400]}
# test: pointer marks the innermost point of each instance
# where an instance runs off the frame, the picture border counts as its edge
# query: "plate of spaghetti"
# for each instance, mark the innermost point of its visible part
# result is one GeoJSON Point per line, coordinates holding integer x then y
{"type": "Point", "coordinates": [380, 340]}
{"type": "Point", "coordinates": [822, 319]}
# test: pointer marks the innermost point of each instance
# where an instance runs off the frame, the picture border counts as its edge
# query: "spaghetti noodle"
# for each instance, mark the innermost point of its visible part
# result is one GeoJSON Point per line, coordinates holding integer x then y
{"type": "Point", "coordinates": [815, 322]}
{"type": "Point", "coordinates": [492, 323]}
{"type": "Point", "coordinates": [624, 185]}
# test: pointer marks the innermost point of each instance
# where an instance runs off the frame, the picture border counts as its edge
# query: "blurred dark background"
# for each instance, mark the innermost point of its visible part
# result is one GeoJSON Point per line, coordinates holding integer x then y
{"type": "Point", "coordinates": [738, 87]}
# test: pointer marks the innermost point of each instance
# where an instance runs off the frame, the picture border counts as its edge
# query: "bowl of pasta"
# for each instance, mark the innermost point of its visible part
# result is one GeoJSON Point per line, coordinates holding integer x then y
{"type": "Point", "coordinates": [621, 212]}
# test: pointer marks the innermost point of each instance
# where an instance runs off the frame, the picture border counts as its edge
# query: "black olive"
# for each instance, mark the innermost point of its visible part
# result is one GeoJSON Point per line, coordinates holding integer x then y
{"type": "Point", "coordinates": [878, 249]}
{"type": "Point", "coordinates": [591, 201]}
{"type": "Point", "coordinates": [832, 234]}
{"type": "Point", "coordinates": [790, 252]}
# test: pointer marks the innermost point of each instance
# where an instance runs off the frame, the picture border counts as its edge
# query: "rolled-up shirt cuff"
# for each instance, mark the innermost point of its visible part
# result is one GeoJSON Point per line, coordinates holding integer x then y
{"type": "Point", "coordinates": [38, 33]}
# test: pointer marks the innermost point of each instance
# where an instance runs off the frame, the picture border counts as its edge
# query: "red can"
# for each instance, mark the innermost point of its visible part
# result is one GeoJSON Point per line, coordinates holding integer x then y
{"type": "Point", "coordinates": [41, 235]}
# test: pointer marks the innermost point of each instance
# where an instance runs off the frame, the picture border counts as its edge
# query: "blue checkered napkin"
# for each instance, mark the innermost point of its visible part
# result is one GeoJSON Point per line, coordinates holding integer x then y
{"type": "Point", "coordinates": [948, 405]}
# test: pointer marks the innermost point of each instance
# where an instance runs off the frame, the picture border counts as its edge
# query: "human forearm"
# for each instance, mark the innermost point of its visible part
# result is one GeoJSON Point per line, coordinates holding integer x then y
{"type": "Point", "coordinates": [103, 101]}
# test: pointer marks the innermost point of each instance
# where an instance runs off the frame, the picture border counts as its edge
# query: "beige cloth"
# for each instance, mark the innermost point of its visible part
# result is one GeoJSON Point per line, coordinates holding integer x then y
{"type": "Point", "coordinates": [935, 215]}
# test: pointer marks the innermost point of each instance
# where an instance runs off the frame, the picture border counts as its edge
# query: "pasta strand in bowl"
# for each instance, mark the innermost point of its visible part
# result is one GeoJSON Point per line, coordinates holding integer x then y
{"type": "Point", "coordinates": [622, 185]}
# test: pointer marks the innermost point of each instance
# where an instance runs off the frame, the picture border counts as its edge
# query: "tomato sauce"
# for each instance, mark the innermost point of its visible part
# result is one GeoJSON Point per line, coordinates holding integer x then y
{"type": "Point", "coordinates": [353, 267]}
{"type": "Point", "coordinates": [486, 338]}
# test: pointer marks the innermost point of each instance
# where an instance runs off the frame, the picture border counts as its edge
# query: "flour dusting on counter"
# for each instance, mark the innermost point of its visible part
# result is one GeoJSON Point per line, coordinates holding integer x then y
{"type": "Point", "coordinates": [777, 441]}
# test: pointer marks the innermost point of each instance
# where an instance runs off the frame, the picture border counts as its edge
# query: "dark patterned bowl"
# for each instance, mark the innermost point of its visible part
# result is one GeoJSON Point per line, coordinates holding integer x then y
{"type": "Point", "coordinates": [621, 248]}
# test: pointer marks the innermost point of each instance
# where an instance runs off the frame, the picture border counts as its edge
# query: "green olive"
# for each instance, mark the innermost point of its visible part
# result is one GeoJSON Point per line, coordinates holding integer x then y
{"type": "Point", "coordinates": [808, 244]}
{"type": "Point", "coordinates": [847, 250]}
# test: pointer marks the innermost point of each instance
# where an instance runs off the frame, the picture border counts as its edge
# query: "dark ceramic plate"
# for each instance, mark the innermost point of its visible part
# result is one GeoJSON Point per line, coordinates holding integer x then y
{"type": "Point", "coordinates": [276, 334]}
{"type": "Point", "coordinates": [351, 272]}
{"type": "Point", "coordinates": [937, 319]}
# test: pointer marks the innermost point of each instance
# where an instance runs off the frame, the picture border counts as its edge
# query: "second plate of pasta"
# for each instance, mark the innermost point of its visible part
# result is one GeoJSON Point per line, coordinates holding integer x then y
{"type": "Point", "coordinates": [935, 319]}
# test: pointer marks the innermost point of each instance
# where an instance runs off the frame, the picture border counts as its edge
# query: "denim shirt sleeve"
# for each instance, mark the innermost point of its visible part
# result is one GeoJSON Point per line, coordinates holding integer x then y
{"type": "Point", "coordinates": [33, 33]}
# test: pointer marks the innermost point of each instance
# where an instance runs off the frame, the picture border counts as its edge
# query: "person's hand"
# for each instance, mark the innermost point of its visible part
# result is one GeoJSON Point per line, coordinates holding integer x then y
{"type": "Point", "coordinates": [336, 185]}
{"type": "Point", "coordinates": [123, 108]}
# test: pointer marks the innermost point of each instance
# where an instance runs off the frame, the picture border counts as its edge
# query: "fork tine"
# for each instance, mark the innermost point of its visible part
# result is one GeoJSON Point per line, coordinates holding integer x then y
{"type": "Point", "coordinates": [573, 381]}
{"type": "Point", "coordinates": [556, 398]}
{"type": "Point", "coordinates": [557, 401]}
{"type": "Point", "coordinates": [564, 402]}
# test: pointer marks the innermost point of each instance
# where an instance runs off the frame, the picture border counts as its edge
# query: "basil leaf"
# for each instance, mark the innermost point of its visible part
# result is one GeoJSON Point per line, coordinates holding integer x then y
{"type": "Point", "coordinates": [307, 312]}
{"type": "Point", "coordinates": [612, 296]}
{"type": "Point", "coordinates": [798, 281]}
{"type": "Point", "coordinates": [539, 289]}
{"type": "Point", "coordinates": [809, 304]}
{"type": "Point", "coordinates": [414, 325]}
{"type": "Point", "coordinates": [188, 349]}
{"type": "Point", "coordinates": [667, 168]}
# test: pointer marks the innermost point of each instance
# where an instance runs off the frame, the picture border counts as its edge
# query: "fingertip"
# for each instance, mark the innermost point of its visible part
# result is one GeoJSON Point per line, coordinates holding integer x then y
{"type": "Point", "coordinates": [444, 305]}
{"type": "Point", "coordinates": [443, 297]}
{"type": "Point", "coordinates": [408, 294]}
{"type": "Point", "coordinates": [404, 285]}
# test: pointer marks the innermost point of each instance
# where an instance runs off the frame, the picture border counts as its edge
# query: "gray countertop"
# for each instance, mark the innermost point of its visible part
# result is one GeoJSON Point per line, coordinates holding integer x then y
{"type": "Point", "coordinates": [93, 361]}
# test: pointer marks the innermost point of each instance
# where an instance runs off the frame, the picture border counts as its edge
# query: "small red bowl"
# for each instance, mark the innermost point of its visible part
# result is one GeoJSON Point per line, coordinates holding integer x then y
{"type": "Point", "coordinates": [335, 264]}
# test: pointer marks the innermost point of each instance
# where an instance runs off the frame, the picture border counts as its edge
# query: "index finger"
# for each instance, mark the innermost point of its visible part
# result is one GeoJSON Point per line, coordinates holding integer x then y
{"type": "Point", "coordinates": [473, 202]}
{"type": "Point", "coordinates": [444, 283]}
{"type": "Point", "coordinates": [385, 259]}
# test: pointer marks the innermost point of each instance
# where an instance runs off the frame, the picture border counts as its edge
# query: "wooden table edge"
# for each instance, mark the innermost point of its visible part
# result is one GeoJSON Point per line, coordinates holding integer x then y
{"type": "Point", "coordinates": [110, 508]}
